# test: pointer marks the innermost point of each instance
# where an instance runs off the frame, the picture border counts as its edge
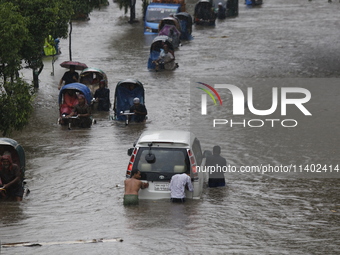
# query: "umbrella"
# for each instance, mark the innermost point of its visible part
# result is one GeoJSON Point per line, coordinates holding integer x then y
{"type": "Point", "coordinates": [78, 65]}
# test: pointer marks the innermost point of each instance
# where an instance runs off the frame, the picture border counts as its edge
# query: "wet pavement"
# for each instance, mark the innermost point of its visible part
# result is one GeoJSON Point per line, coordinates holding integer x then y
{"type": "Point", "coordinates": [76, 176]}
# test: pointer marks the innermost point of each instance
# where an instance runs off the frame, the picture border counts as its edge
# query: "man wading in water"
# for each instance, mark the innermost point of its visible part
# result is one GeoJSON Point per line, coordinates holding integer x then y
{"type": "Point", "coordinates": [132, 187]}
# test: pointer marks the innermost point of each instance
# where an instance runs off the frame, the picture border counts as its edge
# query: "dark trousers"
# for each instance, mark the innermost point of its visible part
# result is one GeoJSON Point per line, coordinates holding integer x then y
{"type": "Point", "coordinates": [216, 182]}
{"type": "Point", "coordinates": [177, 200]}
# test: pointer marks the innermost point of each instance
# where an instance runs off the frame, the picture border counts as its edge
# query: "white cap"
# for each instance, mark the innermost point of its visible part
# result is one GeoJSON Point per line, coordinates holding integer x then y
{"type": "Point", "coordinates": [219, 3]}
{"type": "Point", "coordinates": [136, 100]}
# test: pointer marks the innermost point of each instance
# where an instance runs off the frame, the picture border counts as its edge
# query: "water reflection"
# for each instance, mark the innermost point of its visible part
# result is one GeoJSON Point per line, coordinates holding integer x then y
{"type": "Point", "coordinates": [72, 174]}
{"type": "Point", "coordinates": [160, 214]}
{"type": "Point", "coordinates": [11, 213]}
{"type": "Point", "coordinates": [218, 195]}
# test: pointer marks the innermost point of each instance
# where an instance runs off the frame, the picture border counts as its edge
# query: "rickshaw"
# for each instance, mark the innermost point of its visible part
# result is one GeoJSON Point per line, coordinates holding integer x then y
{"type": "Point", "coordinates": [11, 147]}
{"type": "Point", "coordinates": [220, 8]}
{"type": "Point", "coordinates": [170, 27]}
{"type": "Point", "coordinates": [173, 33]}
{"type": "Point", "coordinates": [68, 98]}
{"type": "Point", "coordinates": [204, 13]}
{"type": "Point", "coordinates": [156, 48]}
{"type": "Point", "coordinates": [126, 90]}
{"type": "Point", "coordinates": [169, 21]}
{"type": "Point", "coordinates": [185, 21]}
{"type": "Point", "coordinates": [253, 2]}
{"type": "Point", "coordinates": [91, 78]}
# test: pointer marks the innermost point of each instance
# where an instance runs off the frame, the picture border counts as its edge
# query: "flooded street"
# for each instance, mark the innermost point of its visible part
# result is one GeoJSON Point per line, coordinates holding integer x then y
{"type": "Point", "coordinates": [76, 176]}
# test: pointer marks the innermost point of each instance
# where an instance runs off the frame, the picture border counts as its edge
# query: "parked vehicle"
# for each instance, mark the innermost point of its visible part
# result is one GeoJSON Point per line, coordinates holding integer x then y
{"type": "Point", "coordinates": [156, 48]}
{"type": "Point", "coordinates": [204, 13]}
{"type": "Point", "coordinates": [17, 152]}
{"type": "Point", "coordinates": [126, 91]}
{"type": "Point", "coordinates": [155, 12]}
{"type": "Point", "coordinates": [185, 21]}
{"type": "Point", "coordinates": [181, 2]}
{"type": "Point", "coordinates": [68, 98]}
{"type": "Point", "coordinates": [159, 155]}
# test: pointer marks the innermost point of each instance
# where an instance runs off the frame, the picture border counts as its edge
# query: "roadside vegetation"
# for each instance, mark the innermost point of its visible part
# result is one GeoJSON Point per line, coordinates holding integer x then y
{"type": "Point", "coordinates": [24, 26]}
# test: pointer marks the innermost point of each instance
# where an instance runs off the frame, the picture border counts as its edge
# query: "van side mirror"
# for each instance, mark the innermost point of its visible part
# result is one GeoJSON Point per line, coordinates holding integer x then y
{"type": "Point", "coordinates": [129, 151]}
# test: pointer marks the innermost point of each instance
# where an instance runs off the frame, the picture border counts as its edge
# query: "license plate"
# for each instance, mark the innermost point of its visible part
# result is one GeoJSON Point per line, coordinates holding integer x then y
{"type": "Point", "coordinates": [161, 186]}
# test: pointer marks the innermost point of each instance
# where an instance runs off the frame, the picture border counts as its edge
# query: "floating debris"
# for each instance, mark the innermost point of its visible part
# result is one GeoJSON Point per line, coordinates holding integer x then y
{"type": "Point", "coordinates": [32, 244]}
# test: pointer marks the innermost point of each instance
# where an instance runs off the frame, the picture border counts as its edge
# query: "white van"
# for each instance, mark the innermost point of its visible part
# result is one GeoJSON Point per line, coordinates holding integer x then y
{"type": "Point", "coordinates": [159, 155]}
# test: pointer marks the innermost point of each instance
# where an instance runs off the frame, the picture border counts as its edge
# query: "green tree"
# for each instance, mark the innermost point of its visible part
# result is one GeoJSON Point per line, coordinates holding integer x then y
{"type": "Point", "coordinates": [42, 18]}
{"type": "Point", "coordinates": [14, 33]}
{"type": "Point", "coordinates": [24, 26]}
{"type": "Point", "coordinates": [15, 94]}
{"type": "Point", "coordinates": [15, 105]}
{"type": "Point", "coordinates": [83, 8]}
{"type": "Point", "coordinates": [126, 4]}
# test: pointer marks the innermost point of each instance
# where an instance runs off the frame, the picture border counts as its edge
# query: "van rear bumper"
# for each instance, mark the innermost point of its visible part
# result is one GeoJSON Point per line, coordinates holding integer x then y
{"type": "Point", "coordinates": [152, 193]}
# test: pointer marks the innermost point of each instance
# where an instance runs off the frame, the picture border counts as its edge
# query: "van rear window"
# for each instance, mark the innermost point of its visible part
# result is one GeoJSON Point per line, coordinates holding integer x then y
{"type": "Point", "coordinates": [170, 160]}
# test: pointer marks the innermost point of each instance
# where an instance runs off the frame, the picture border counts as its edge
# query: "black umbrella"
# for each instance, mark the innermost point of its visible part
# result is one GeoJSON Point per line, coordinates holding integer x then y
{"type": "Point", "coordinates": [77, 65]}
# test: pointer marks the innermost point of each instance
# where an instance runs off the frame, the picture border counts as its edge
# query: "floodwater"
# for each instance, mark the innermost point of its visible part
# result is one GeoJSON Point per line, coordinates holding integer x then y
{"type": "Point", "coordinates": [76, 176]}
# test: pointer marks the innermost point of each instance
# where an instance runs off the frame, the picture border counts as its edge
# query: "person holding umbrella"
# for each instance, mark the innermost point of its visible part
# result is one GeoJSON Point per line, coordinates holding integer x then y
{"type": "Point", "coordinates": [69, 77]}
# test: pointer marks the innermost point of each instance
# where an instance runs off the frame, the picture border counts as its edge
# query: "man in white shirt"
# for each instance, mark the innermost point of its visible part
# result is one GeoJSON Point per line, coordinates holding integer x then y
{"type": "Point", "coordinates": [166, 59]}
{"type": "Point", "coordinates": [177, 187]}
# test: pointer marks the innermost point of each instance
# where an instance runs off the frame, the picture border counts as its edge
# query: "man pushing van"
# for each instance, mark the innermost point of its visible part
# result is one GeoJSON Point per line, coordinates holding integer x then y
{"type": "Point", "coordinates": [132, 186]}
{"type": "Point", "coordinates": [178, 184]}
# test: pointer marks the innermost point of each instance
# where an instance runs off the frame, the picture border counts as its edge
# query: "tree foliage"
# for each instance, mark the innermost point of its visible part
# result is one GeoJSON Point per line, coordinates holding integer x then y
{"type": "Point", "coordinates": [25, 24]}
{"type": "Point", "coordinates": [44, 18]}
{"type": "Point", "coordinates": [15, 105]}
{"type": "Point", "coordinates": [15, 95]}
{"type": "Point", "coordinates": [124, 4]}
{"type": "Point", "coordinates": [14, 33]}
{"type": "Point", "coordinates": [82, 8]}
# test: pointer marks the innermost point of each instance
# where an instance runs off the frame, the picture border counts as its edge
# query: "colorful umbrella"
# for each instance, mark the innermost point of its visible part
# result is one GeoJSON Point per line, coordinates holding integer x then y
{"type": "Point", "coordinates": [78, 65]}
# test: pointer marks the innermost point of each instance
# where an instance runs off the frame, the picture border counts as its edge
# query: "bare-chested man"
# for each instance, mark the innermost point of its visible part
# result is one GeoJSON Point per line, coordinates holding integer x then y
{"type": "Point", "coordinates": [132, 187]}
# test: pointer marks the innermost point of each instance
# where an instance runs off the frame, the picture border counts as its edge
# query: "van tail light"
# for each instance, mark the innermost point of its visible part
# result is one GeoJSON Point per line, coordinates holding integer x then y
{"type": "Point", "coordinates": [130, 165]}
{"type": "Point", "coordinates": [192, 164]}
{"type": "Point", "coordinates": [194, 169]}
{"type": "Point", "coordinates": [132, 159]}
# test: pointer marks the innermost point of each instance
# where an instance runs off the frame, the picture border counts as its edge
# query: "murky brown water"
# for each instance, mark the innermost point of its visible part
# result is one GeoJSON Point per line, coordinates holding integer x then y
{"type": "Point", "coordinates": [76, 177]}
